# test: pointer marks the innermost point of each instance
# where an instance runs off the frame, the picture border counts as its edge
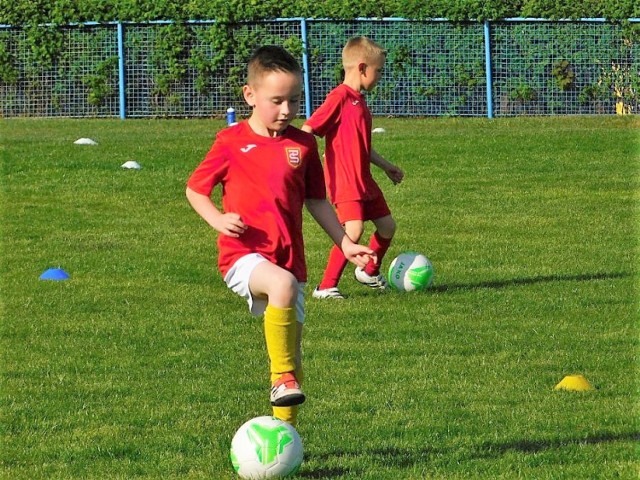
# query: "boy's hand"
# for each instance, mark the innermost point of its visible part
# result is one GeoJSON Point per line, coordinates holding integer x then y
{"type": "Point", "coordinates": [230, 224]}
{"type": "Point", "coordinates": [358, 254]}
{"type": "Point", "coordinates": [395, 174]}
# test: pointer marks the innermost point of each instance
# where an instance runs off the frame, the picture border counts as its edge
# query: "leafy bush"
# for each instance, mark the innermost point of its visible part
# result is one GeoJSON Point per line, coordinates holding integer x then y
{"type": "Point", "coordinates": [20, 12]}
{"type": "Point", "coordinates": [220, 50]}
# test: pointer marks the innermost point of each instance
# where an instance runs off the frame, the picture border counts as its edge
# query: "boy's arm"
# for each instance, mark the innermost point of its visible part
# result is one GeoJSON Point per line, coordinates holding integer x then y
{"type": "Point", "coordinates": [323, 213]}
{"type": "Point", "coordinates": [229, 224]}
{"type": "Point", "coordinates": [393, 172]}
{"type": "Point", "coordinates": [306, 128]}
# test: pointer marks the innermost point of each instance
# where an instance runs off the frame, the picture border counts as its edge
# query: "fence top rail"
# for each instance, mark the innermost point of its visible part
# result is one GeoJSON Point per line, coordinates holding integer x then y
{"type": "Point", "coordinates": [310, 19]}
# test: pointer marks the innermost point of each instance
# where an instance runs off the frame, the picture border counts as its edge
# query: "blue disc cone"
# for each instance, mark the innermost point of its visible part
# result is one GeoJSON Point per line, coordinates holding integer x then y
{"type": "Point", "coordinates": [54, 274]}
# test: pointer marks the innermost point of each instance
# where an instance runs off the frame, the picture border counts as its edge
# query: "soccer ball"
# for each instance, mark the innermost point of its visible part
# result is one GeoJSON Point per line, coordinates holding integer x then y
{"type": "Point", "coordinates": [410, 271]}
{"type": "Point", "coordinates": [266, 447]}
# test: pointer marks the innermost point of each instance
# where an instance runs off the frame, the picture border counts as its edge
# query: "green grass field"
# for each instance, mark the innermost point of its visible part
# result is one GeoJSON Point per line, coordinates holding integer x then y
{"type": "Point", "coordinates": [142, 364]}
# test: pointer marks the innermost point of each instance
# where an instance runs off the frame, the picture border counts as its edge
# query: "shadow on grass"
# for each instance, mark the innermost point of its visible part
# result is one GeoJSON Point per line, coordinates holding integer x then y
{"type": "Point", "coordinates": [388, 457]}
{"type": "Point", "coordinates": [492, 450]}
{"type": "Point", "coordinates": [325, 473]}
{"type": "Point", "coordinates": [527, 281]}
{"type": "Point", "coordinates": [409, 457]}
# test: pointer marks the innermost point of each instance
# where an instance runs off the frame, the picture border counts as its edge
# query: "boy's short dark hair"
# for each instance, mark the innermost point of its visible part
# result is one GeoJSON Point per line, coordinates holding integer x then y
{"type": "Point", "coordinates": [271, 58]}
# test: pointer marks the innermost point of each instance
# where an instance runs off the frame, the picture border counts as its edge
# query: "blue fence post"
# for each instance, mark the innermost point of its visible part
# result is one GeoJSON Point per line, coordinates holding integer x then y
{"type": "Point", "coordinates": [489, 73]}
{"type": "Point", "coordinates": [121, 75]}
{"type": "Point", "coordinates": [305, 68]}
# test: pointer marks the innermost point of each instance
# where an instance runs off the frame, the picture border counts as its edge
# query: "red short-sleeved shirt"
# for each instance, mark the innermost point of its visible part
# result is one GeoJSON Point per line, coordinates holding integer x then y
{"type": "Point", "coordinates": [345, 121]}
{"type": "Point", "coordinates": [265, 181]}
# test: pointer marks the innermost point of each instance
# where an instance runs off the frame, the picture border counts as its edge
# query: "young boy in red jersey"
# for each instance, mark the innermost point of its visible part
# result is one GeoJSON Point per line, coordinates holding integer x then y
{"type": "Point", "coordinates": [268, 170]}
{"type": "Point", "coordinates": [345, 121]}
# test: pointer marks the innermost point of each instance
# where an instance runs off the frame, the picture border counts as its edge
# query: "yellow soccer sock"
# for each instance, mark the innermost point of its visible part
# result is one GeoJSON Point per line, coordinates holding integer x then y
{"type": "Point", "coordinates": [275, 319]}
{"type": "Point", "coordinates": [280, 331]}
{"type": "Point", "coordinates": [287, 414]}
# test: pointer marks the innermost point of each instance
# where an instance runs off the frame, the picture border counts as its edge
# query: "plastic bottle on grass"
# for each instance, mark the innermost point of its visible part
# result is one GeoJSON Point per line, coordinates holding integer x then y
{"type": "Point", "coordinates": [231, 116]}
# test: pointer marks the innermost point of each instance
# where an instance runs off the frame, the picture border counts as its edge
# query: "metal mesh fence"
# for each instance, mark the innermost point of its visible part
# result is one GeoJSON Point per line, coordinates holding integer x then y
{"type": "Point", "coordinates": [79, 79]}
{"type": "Point", "coordinates": [544, 68]}
{"type": "Point", "coordinates": [193, 83]}
{"type": "Point", "coordinates": [433, 67]}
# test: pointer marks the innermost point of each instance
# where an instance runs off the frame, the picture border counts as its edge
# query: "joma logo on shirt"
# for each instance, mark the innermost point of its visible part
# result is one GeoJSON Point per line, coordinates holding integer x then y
{"type": "Point", "coordinates": [294, 156]}
{"type": "Point", "coordinates": [248, 148]}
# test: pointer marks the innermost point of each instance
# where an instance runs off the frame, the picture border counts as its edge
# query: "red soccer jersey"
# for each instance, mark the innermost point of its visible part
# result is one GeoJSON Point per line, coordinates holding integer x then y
{"type": "Point", "coordinates": [345, 121]}
{"type": "Point", "coordinates": [265, 181]}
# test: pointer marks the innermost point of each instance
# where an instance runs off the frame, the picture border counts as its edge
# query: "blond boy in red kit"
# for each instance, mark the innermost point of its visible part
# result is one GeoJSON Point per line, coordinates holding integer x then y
{"type": "Point", "coordinates": [345, 121]}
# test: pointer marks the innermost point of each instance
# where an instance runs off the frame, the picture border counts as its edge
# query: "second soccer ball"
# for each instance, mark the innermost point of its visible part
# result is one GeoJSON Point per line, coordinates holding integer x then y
{"type": "Point", "coordinates": [410, 271]}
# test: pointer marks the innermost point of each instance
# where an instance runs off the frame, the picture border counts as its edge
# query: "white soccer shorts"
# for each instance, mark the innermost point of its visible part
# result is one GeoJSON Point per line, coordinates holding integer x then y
{"type": "Point", "coordinates": [237, 279]}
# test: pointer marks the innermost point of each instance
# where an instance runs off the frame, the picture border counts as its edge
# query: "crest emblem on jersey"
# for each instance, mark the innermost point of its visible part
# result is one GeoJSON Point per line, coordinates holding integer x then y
{"type": "Point", "coordinates": [294, 156]}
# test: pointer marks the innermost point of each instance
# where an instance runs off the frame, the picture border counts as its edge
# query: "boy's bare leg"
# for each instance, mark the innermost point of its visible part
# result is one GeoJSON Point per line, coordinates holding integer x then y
{"type": "Point", "coordinates": [280, 329]}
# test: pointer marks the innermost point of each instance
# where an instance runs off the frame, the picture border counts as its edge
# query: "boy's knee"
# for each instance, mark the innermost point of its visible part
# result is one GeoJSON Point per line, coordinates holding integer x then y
{"type": "Point", "coordinates": [354, 231]}
{"type": "Point", "coordinates": [387, 229]}
{"type": "Point", "coordinates": [392, 228]}
{"type": "Point", "coordinates": [284, 289]}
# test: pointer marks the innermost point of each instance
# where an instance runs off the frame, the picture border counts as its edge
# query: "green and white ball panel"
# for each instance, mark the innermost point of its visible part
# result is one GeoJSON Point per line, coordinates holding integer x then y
{"type": "Point", "coordinates": [266, 447]}
{"type": "Point", "coordinates": [410, 271]}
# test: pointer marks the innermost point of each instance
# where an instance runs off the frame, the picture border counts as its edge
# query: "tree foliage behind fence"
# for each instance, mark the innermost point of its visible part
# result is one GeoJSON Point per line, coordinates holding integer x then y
{"type": "Point", "coordinates": [433, 68]}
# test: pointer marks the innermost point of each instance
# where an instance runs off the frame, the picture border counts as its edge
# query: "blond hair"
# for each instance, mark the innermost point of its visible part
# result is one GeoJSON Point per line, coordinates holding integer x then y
{"type": "Point", "coordinates": [361, 49]}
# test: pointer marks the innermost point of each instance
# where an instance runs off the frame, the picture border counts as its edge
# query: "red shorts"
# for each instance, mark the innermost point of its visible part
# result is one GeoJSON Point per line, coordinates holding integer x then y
{"type": "Point", "coordinates": [362, 210]}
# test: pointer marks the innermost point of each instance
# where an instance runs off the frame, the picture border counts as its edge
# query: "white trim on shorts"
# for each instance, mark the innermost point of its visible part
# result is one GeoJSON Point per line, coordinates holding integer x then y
{"type": "Point", "coordinates": [237, 279]}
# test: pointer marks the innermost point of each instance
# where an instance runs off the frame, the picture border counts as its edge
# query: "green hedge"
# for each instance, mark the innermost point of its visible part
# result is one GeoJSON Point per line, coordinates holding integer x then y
{"type": "Point", "coordinates": [21, 12]}
{"type": "Point", "coordinates": [173, 53]}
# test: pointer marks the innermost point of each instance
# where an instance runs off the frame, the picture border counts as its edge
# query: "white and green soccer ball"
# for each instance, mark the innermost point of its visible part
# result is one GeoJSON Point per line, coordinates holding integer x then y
{"type": "Point", "coordinates": [266, 447]}
{"type": "Point", "coordinates": [410, 271]}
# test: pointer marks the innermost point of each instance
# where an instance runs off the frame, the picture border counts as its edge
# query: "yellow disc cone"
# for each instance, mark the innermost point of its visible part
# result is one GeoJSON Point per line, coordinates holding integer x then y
{"type": "Point", "coordinates": [575, 383]}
